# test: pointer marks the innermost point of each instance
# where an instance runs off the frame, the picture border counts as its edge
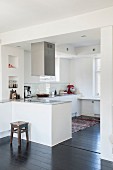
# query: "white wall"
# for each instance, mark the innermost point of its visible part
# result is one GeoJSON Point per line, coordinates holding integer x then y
{"type": "Point", "coordinates": [62, 67]}
{"type": "Point", "coordinates": [106, 102]}
{"type": "Point", "coordinates": [78, 71]}
{"type": "Point", "coordinates": [57, 69]}
{"type": "Point", "coordinates": [82, 69]}
{"type": "Point", "coordinates": [27, 69]}
{"type": "Point", "coordinates": [94, 49]}
{"type": "Point", "coordinates": [6, 72]}
{"type": "Point", "coordinates": [43, 87]}
{"type": "Point", "coordinates": [64, 70]}
{"type": "Point", "coordinates": [64, 54]}
{"type": "Point", "coordinates": [81, 75]}
{"type": "Point", "coordinates": [65, 51]}
{"type": "Point", "coordinates": [0, 73]}
{"type": "Point", "coordinates": [62, 75]}
{"type": "Point", "coordinates": [95, 19]}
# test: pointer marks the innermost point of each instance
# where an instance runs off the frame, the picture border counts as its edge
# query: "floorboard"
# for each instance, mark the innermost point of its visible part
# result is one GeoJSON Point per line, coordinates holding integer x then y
{"type": "Point", "coordinates": [82, 152]}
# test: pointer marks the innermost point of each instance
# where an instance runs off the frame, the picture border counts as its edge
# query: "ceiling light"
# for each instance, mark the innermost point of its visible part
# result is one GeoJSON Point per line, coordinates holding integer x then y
{"type": "Point", "coordinates": [83, 36]}
{"type": "Point", "coordinates": [67, 49]}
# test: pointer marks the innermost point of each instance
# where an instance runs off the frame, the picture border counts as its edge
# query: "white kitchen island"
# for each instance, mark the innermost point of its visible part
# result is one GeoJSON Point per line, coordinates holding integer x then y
{"type": "Point", "coordinates": [49, 122]}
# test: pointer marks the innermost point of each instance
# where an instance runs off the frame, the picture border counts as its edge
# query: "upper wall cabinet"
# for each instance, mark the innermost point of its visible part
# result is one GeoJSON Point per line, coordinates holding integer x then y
{"type": "Point", "coordinates": [62, 71]}
{"type": "Point", "coordinates": [42, 59]}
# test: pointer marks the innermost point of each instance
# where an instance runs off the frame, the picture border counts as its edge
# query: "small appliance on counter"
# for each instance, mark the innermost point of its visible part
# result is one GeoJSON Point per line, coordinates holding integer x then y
{"type": "Point", "coordinates": [55, 93]}
{"type": "Point", "coordinates": [70, 89]}
{"type": "Point", "coordinates": [27, 92]}
{"type": "Point", "coordinates": [14, 95]}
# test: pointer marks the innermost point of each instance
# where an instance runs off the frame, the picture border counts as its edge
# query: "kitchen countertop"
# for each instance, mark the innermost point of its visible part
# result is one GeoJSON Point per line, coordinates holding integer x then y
{"type": "Point", "coordinates": [89, 98]}
{"type": "Point", "coordinates": [6, 100]}
{"type": "Point", "coordinates": [48, 100]}
{"type": "Point", "coordinates": [36, 101]}
{"type": "Point", "coordinates": [39, 99]}
{"type": "Point", "coordinates": [34, 97]}
{"type": "Point", "coordinates": [44, 101]}
{"type": "Point", "coordinates": [58, 95]}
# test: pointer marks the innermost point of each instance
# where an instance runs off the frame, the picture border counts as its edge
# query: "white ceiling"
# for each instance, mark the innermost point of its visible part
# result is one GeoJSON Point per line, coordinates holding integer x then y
{"type": "Point", "coordinates": [74, 39]}
{"type": "Point", "coordinates": [15, 14]}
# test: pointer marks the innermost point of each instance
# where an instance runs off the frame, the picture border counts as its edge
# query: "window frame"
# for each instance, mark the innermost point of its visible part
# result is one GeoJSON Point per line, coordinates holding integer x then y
{"type": "Point", "coordinates": [95, 72]}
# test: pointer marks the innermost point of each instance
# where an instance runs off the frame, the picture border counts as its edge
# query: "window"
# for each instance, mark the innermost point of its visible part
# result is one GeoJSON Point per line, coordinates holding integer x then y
{"type": "Point", "coordinates": [97, 76]}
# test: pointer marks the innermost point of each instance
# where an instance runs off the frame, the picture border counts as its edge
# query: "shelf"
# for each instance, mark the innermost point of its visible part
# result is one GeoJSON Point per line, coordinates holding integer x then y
{"type": "Point", "coordinates": [13, 87]}
{"type": "Point", "coordinates": [13, 77]}
{"type": "Point", "coordinates": [12, 72]}
{"type": "Point", "coordinates": [13, 81]}
{"type": "Point", "coordinates": [12, 61]}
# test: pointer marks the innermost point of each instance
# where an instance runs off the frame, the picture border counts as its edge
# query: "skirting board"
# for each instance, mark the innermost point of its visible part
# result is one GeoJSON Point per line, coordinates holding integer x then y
{"type": "Point", "coordinates": [4, 134]}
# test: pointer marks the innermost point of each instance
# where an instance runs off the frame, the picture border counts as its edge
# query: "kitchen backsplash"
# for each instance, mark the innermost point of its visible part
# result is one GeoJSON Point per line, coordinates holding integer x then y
{"type": "Point", "coordinates": [46, 87]}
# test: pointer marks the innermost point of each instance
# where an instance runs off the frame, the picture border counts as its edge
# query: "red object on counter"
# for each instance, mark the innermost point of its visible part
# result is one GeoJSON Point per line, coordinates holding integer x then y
{"type": "Point", "coordinates": [69, 87]}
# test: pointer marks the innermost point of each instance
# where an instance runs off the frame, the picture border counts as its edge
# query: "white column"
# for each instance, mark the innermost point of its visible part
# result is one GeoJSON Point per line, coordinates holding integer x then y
{"type": "Point", "coordinates": [106, 101]}
{"type": "Point", "coordinates": [0, 74]}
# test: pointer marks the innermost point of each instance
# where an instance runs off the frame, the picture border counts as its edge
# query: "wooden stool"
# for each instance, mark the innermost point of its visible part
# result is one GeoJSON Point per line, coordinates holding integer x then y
{"type": "Point", "coordinates": [19, 127]}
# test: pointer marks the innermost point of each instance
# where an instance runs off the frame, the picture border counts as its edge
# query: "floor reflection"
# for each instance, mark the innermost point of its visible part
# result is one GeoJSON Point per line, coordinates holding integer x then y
{"type": "Point", "coordinates": [20, 154]}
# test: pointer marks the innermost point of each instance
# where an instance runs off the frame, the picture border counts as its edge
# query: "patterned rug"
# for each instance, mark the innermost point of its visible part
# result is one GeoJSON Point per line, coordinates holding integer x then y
{"type": "Point", "coordinates": [83, 122]}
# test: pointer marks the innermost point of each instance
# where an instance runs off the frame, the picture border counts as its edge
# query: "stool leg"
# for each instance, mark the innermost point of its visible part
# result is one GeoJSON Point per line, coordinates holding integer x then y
{"type": "Point", "coordinates": [19, 136]}
{"type": "Point", "coordinates": [27, 136]}
{"type": "Point", "coordinates": [11, 137]}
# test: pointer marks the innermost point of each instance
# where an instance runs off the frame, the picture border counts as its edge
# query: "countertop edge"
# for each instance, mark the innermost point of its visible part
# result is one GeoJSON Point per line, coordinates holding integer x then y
{"type": "Point", "coordinates": [23, 101]}
{"type": "Point", "coordinates": [88, 98]}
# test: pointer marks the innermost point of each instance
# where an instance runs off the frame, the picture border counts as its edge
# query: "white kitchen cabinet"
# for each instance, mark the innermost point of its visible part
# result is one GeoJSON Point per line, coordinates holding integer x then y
{"type": "Point", "coordinates": [75, 110]}
{"type": "Point", "coordinates": [96, 108]}
{"type": "Point", "coordinates": [49, 124]}
{"type": "Point", "coordinates": [75, 103]}
{"type": "Point", "coordinates": [5, 116]}
{"type": "Point", "coordinates": [90, 107]}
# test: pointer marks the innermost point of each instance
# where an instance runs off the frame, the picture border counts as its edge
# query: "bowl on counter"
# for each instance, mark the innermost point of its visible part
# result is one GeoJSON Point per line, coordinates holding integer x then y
{"type": "Point", "coordinates": [42, 95]}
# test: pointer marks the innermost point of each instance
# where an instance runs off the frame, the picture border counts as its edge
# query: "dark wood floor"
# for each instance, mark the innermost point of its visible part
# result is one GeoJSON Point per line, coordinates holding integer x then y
{"type": "Point", "coordinates": [88, 139]}
{"type": "Point", "coordinates": [79, 153]}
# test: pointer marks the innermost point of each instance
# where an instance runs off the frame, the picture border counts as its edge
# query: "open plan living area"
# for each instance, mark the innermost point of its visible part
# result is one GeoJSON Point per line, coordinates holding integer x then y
{"type": "Point", "coordinates": [56, 85]}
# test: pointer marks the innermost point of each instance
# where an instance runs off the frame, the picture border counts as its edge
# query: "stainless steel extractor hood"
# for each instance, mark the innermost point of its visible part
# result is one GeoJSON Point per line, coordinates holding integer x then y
{"type": "Point", "coordinates": [42, 59]}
